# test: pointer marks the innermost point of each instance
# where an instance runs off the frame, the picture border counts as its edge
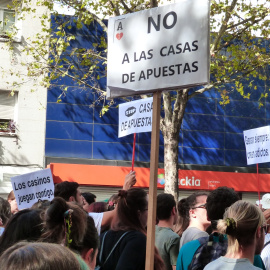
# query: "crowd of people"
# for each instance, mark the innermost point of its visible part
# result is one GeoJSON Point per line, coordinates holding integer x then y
{"type": "Point", "coordinates": [214, 230]}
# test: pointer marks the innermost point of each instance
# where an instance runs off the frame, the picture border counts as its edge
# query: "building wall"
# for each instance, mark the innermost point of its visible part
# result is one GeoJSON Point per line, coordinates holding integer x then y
{"type": "Point", "coordinates": [211, 136]}
{"type": "Point", "coordinates": [24, 151]}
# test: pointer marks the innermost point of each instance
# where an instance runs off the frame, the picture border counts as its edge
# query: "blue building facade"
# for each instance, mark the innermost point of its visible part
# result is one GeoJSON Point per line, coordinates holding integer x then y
{"type": "Point", "coordinates": [211, 136]}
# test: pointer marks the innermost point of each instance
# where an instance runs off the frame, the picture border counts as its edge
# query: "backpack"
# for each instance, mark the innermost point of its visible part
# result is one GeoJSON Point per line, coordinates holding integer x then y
{"type": "Point", "coordinates": [209, 250]}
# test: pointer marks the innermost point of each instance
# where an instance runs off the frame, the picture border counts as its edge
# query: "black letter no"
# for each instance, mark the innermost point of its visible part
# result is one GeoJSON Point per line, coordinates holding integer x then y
{"type": "Point", "coordinates": [166, 17]}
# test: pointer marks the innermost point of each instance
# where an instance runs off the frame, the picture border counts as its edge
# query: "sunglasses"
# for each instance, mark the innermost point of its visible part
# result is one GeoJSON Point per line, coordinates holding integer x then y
{"type": "Point", "coordinates": [203, 206]}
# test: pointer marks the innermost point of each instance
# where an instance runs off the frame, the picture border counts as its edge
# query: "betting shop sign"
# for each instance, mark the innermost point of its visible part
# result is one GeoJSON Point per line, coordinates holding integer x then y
{"type": "Point", "coordinates": [257, 142]}
{"type": "Point", "coordinates": [135, 117]}
{"type": "Point", "coordinates": [31, 187]}
{"type": "Point", "coordinates": [160, 48]}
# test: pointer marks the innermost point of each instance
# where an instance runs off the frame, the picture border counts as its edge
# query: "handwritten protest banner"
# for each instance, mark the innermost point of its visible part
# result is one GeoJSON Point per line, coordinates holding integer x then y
{"type": "Point", "coordinates": [135, 117]}
{"type": "Point", "coordinates": [159, 48]}
{"type": "Point", "coordinates": [31, 187]}
{"type": "Point", "coordinates": [257, 143]}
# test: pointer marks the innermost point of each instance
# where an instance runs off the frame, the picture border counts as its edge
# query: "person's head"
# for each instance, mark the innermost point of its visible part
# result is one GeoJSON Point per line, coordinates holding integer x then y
{"type": "Point", "coordinates": [38, 256]}
{"type": "Point", "coordinates": [97, 207]}
{"type": "Point", "coordinates": [89, 198]}
{"type": "Point", "coordinates": [112, 202]}
{"type": "Point", "coordinates": [166, 207]}
{"type": "Point", "coordinates": [13, 203]}
{"type": "Point", "coordinates": [59, 218]}
{"type": "Point", "coordinates": [88, 249]}
{"type": "Point", "coordinates": [5, 211]}
{"type": "Point", "coordinates": [132, 209]}
{"type": "Point", "coordinates": [41, 204]}
{"type": "Point", "coordinates": [26, 225]}
{"type": "Point", "coordinates": [69, 191]}
{"type": "Point", "coordinates": [218, 201]}
{"type": "Point", "coordinates": [243, 223]}
{"type": "Point", "coordinates": [193, 209]}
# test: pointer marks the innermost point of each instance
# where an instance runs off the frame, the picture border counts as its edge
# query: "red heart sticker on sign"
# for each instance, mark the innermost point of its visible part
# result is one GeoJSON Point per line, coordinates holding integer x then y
{"type": "Point", "coordinates": [119, 35]}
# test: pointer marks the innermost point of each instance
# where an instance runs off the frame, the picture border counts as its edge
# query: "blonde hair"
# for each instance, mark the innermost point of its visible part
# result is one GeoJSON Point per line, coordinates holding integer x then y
{"type": "Point", "coordinates": [240, 222]}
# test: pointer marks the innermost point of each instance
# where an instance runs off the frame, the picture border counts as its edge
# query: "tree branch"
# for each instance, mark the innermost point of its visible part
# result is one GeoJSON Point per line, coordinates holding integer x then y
{"type": "Point", "coordinates": [153, 3]}
{"type": "Point", "coordinates": [179, 109]}
{"type": "Point", "coordinates": [238, 74]}
{"type": "Point", "coordinates": [115, 8]}
{"type": "Point", "coordinates": [126, 7]}
{"type": "Point", "coordinates": [223, 27]}
{"type": "Point", "coordinates": [76, 5]}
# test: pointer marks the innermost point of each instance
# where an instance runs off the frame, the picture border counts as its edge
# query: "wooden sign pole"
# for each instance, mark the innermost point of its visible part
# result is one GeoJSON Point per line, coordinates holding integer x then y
{"type": "Point", "coordinates": [152, 200]}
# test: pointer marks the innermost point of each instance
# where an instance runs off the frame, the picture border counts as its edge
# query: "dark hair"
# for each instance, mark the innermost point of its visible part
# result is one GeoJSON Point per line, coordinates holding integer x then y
{"type": "Point", "coordinates": [5, 211]}
{"type": "Point", "coordinates": [90, 240]}
{"type": "Point", "coordinates": [98, 207]}
{"type": "Point", "coordinates": [129, 203]}
{"type": "Point", "coordinates": [218, 201]}
{"type": "Point", "coordinates": [165, 205]}
{"type": "Point", "coordinates": [24, 225]}
{"type": "Point", "coordinates": [66, 189]}
{"type": "Point", "coordinates": [182, 220]}
{"type": "Point", "coordinates": [38, 256]}
{"type": "Point", "coordinates": [89, 197]}
{"type": "Point", "coordinates": [188, 203]}
{"type": "Point", "coordinates": [55, 222]}
{"type": "Point", "coordinates": [183, 207]}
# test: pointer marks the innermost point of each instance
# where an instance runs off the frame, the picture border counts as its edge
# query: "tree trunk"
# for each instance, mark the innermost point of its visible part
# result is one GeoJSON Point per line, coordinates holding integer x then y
{"type": "Point", "coordinates": [170, 127]}
{"type": "Point", "coordinates": [171, 165]}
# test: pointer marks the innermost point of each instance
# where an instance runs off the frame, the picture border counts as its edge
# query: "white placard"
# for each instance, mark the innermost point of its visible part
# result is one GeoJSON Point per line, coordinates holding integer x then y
{"type": "Point", "coordinates": [257, 143]}
{"type": "Point", "coordinates": [30, 187]}
{"type": "Point", "coordinates": [159, 48]}
{"type": "Point", "coordinates": [135, 117]}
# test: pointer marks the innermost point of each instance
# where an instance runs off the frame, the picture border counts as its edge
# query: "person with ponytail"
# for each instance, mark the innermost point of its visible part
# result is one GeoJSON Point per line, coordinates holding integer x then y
{"type": "Point", "coordinates": [65, 224]}
{"type": "Point", "coordinates": [124, 246]}
{"type": "Point", "coordinates": [245, 227]}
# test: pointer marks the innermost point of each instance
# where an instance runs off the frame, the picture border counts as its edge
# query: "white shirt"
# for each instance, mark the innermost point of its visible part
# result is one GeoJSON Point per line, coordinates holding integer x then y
{"type": "Point", "coordinates": [97, 217]}
{"type": "Point", "coordinates": [266, 252]}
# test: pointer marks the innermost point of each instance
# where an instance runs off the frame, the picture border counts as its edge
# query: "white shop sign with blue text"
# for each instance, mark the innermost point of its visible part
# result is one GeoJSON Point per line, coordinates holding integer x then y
{"type": "Point", "coordinates": [160, 48]}
{"type": "Point", "coordinates": [257, 143]}
{"type": "Point", "coordinates": [135, 117]}
{"type": "Point", "coordinates": [32, 187]}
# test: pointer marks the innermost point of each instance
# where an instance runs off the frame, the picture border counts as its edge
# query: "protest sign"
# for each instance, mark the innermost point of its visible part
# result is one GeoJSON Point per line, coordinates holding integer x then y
{"type": "Point", "coordinates": [31, 187]}
{"type": "Point", "coordinates": [135, 117]}
{"type": "Point", "coordinates": [159, 48]}
{"type": "Point", "coordinates": [257, 143]}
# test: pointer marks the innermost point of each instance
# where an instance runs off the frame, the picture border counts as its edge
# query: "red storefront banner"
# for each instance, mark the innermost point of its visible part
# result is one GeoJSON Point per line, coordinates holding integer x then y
{"type": "Point", "coordinates": [97, 175]}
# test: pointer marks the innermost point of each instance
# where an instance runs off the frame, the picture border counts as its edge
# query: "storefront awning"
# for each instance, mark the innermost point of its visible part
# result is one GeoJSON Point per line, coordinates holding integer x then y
{"type": "Point", "coordinates": [97, 175]}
